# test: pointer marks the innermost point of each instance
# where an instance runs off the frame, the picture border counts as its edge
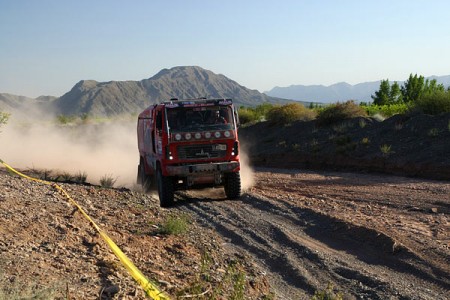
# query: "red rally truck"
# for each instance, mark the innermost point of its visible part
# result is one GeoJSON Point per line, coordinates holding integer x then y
{"type": "Point", "coordinates": [186, 144]}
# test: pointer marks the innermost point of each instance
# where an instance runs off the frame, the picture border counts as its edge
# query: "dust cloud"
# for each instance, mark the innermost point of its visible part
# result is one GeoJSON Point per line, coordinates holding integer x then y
{"type": "Point", "coordinates": [98, 150]}
{"type": "Point", "coordinates": [247, 173]}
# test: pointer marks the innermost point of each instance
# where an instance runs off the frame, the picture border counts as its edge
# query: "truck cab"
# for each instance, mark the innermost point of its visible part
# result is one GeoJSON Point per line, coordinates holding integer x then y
{"type": "Point", "coordinates": [186, 144]}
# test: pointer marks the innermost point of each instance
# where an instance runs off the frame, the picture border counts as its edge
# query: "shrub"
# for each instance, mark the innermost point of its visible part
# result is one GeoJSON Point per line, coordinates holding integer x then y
{"type": "Point", "coordinates": [247, 116]}
{"type": "Point", "coordinates": [365, 141]}
{"type": "Point", "coordinates": [289, 113]}
{"type": "Point", "coordinates": [107, 181]}
{"type": "Point", "coordinates": [386, 110]}
{"type": "Point", "coordinates": [434, 103]}
{"type": "Point", "coordinates": [386, 150]}
{"type": "Point", "coordinates": [327, 294]}
{"type": "Point", "coordinates": [174, 225]}
{"type": "Point", "coordinates": [3, 118]}
{"type": "Point", "coordinates": [338, 112]}
{"type": "Point", "coordinates": [80, 177]}
{"type": "Point", "coordinates": [64, 120]}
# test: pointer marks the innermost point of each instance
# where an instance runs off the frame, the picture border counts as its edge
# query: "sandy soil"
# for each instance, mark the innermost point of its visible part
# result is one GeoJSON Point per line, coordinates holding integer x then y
{"type": "Point", "coordinates": [293, 233]}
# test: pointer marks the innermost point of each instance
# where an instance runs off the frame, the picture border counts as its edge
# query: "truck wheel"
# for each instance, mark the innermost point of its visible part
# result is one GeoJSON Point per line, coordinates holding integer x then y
{"type": "Point", "coordinates": [232, 185]}
{"type": "Point", "coordinates": [165, 190]}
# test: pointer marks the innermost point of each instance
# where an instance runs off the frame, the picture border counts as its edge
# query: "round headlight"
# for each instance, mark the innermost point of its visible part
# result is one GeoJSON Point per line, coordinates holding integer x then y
{"type": "Point", "coordinates": [188, 136]}
{"type": "Point", "coordinates": [208, 135]}
{"type": "Point", "coordinates": [227, 134]}
{"type": "Point", "coordinates": [198, 135]}
{"type": "Point", "coordinates": [217, 134]}
{"type": "Point", "coordinates": [178, 137]}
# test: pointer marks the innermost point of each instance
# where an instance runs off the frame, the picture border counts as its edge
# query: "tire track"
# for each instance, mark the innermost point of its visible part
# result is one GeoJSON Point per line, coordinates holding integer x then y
{"type": "Point", "coordinates": [303, 250]}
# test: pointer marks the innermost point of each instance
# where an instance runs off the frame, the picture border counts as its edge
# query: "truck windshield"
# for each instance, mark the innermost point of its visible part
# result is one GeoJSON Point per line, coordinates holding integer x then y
{"type": "Point", "coordinates": [200, 118]}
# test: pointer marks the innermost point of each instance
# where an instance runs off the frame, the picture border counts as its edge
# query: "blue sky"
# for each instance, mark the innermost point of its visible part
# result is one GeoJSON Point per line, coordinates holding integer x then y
{"type": "Point", "coordinates": [47, 46]}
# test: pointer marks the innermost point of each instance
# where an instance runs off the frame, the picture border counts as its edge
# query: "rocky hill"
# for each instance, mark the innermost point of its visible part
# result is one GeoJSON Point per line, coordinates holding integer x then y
{"type": "Point", "coordinates": [124, 97]}
{"type": "Point", "coordinates": [25, 107]}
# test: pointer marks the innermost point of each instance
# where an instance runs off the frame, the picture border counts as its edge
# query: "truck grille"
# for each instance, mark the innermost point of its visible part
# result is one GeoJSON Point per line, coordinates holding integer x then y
{"type": "Point", "coordinates": [202, 151]}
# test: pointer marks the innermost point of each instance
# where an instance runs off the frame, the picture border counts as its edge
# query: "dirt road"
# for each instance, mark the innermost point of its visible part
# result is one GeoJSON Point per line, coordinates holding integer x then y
{"type": "Point", "coordinates": [371, 236]}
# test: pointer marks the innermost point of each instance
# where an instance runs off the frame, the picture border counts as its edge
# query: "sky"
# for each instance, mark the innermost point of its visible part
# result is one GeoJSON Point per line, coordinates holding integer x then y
{"type": "Point", "coordinates": [47, 46]}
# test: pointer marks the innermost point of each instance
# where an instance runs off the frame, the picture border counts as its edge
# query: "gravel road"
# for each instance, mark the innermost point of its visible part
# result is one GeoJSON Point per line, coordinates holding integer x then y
{"type": "Point", "coordinates": [370, 236]}
{"type": "Point", "coordinates": [294, 232]}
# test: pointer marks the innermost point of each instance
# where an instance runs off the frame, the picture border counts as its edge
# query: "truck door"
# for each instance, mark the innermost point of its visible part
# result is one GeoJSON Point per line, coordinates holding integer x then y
{"type": "Point", "coordinates": [158, 132]}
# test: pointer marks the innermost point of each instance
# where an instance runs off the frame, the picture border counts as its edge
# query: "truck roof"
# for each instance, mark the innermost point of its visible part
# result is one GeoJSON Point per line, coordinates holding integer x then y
{"type": "Point", "coordinates": [197, 102]}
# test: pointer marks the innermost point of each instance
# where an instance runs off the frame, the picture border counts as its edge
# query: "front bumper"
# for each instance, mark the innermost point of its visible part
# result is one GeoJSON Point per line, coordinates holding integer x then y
{"type": "Point", "coordinates": [209, 168]}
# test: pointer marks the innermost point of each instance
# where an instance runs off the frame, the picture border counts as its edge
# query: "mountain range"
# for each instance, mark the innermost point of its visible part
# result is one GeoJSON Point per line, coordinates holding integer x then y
{"type": "Point", "coordinates": [125, 97]}
{"type": "Point", "coordinates": [129, 97]}
{"type": "Point", "coordinates": [337, 92]}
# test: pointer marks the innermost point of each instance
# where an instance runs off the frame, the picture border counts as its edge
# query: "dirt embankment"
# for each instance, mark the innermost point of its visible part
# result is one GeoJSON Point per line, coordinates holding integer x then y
{"type": "Point", "coordinates": [410, 145]}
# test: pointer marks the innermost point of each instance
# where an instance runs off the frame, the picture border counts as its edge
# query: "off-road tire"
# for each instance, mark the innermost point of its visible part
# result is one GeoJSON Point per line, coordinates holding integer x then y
{"type": "Point", "coordinates": [165, 189]}
{"type": "Point", "coordinates": [232, 185]}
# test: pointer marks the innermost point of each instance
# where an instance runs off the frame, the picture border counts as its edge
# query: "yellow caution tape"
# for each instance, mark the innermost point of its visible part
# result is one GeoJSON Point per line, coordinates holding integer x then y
{"type": "Point", "coordinates": [150, 289]}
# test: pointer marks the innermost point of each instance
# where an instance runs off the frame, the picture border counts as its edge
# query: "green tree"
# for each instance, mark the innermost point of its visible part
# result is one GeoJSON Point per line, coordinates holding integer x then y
{"type": "Point", "coordinates": [413, 88]}
{"type": "Point", "coordinates": [432, 87]}
{"type": "Point", "coordinates": [416, 86]}
{"type": "Point", "coordinates": [395, 96]}
{"type": "Point", "coordinates": [382, 96]}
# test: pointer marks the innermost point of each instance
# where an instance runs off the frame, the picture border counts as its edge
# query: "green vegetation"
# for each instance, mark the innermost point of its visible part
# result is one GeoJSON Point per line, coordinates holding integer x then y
{"type": "Point", "coordinates": [365, 141]}
{"type": "Point", "coordinates": [417, 93]}
{"type": "Point", "coordinates": [327, 294]}
{"type": "Point", "coordinates": [289, 113]}
{"type": "Point", "coordinates": [251, 115]}
{"type": "Point", "coordinates": [339, 112]}
{"type": "Point", "coordinates": [386, 110]}
{"type": "Point", "coordinates": [64, 120]}
{"type": "Point", "coordinates": [387, 94]}
{"type": "Point", "coordinates": [175, 225]}
{"type": "Point", "coordinates": [3, 118]}
{"type": "Point", "coordinates": [386, 150]}
{"type": "Point", "coordinates": [434, 103]}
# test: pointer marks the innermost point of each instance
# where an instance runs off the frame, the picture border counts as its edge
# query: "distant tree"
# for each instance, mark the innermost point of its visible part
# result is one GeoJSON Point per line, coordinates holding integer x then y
{"type": "Point", "coordinates": [382, 96]}
{"type": "Point", "coordinates": [413, 88]}
{"type": "Point", "coordinates": [416, 86]}
{"type": "Point", "coordinates": [395, 95]}
{"type": "Point", "coordinates": [432, 87]}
